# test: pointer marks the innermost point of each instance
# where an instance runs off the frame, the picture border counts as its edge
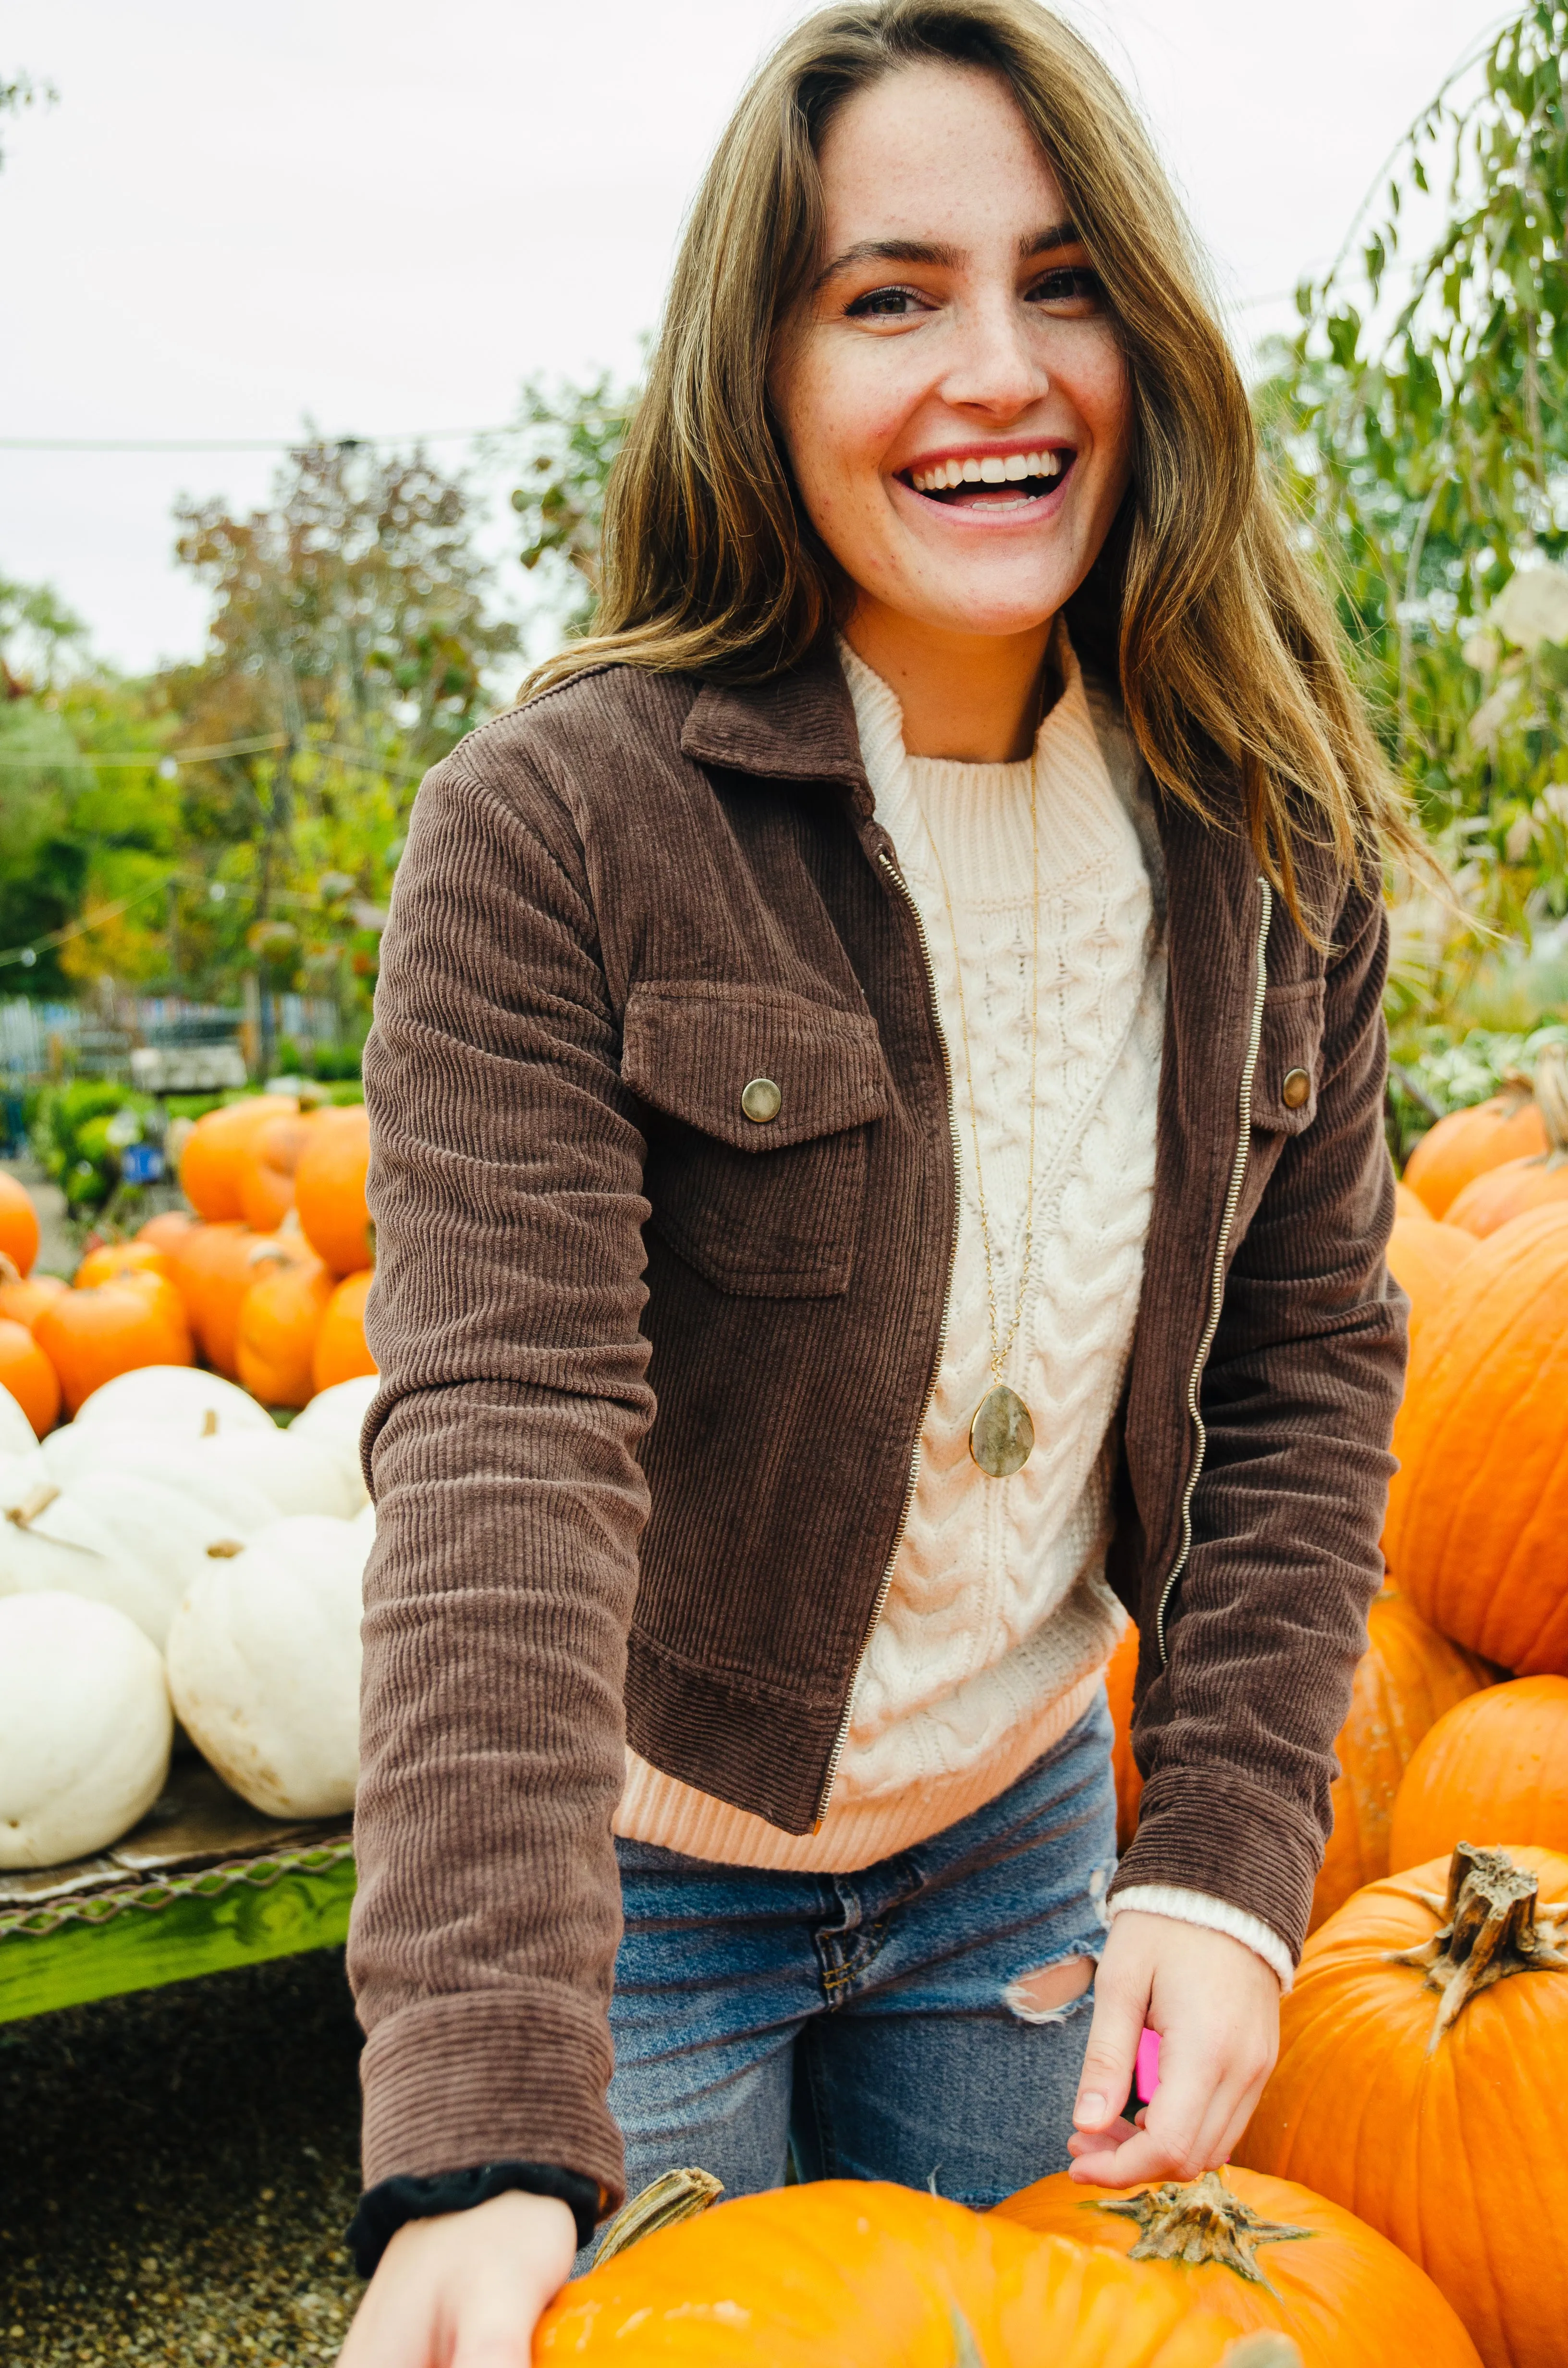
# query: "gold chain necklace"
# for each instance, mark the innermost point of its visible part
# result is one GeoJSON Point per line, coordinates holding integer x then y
{"type": "Point", "coordinates": [1001, 1429]}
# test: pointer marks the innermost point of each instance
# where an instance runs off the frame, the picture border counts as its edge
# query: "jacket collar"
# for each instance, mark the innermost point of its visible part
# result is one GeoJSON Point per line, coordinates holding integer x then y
{"type": "Point", "coordinates": [798, 726]}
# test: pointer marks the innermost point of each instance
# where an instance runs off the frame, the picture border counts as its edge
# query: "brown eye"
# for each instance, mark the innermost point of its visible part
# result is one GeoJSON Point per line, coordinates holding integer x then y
{"type": "Point", "coordinates": [1074, 284]}
{"type": "Point", "coordinates": [883, 304]}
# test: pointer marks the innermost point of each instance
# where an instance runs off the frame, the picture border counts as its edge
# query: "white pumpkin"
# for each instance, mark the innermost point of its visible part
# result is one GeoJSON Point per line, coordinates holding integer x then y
{"type": "Point", "coordinates": [249, 1477]}
{"type": "Point", "coordinates": [264, 1667]}
{"type": "Point", "coordinates": [176, 1461]}
{"type": "Point", "coordinates": [336, 1419]}
{"type": "Point", "coordinates": [179, 1398]}
{"type": "Point", "coordinates": [298, 1476]}
{"type": "Point", "coordinates": [84, 1728]}
{"type": "Point", "coordinates": [16, 1431]}
{"type": "Point", "coordinates": [94, 1544]}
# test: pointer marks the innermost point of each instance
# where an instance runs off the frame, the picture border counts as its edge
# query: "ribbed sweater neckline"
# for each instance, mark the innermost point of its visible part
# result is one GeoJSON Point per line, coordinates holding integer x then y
{"type": "Point", "coordinates": [978, 813]}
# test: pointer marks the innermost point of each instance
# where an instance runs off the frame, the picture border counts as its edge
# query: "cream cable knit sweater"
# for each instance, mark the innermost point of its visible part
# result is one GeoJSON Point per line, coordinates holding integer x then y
{"type": "Point", "coordinates": [998, 1621]}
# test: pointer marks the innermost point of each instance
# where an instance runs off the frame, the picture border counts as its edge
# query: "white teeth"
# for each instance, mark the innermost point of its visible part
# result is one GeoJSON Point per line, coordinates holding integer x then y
{"type": "Point", "coordinates": [988, 468]}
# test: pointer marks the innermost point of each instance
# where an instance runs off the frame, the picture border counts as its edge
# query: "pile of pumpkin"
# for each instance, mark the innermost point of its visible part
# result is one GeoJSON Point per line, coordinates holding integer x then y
{"type": "Point", "coordinates": [169, 1551]}
{"type": "Point", "coordinates": [265, 1284]}
{"type": "Point", "coordinates": [1394, 2202]}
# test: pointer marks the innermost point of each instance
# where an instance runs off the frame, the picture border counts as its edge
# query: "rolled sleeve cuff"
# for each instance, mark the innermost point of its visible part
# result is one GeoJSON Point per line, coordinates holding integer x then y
{"type": "Point", "coordinates": [1214, 1915]}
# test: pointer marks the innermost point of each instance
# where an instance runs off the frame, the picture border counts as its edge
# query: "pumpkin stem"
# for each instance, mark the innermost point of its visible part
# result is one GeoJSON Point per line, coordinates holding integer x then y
{"type": "Point", "coordinates": [674, 2196]}
{"type": "Point", "coordinates": [1551, 1094]}
{"type": "Point", "coordinates": [1266, 2349]}
{"type": "Point", "coordinates": [210, 1423]}
{"type": "Point", "coordinates": [9, 1270]}
{"type": "Point", "coordinates": [1517, 1089]}
{"type": "Point", "coordinates": [37, 1500]}
{"type": "Point", "coordinates": [1199, 2220]}
{"type": "Point", "coordinates": [225, 1549]}
{"type": "Point", "coordinates": [1495, 1927]}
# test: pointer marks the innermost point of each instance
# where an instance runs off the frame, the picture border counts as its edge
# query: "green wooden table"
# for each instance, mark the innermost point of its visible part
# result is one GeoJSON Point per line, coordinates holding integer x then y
{"type": "Point", "coordinates": [203, 1884]}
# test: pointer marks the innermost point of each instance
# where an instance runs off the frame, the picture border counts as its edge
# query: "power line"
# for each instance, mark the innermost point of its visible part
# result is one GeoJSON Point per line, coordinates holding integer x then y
{"type": "Point", "coordinates": [242, 443]}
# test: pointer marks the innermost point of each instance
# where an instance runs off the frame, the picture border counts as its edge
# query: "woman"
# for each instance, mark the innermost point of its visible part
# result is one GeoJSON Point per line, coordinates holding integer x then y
{"type": "Point", "coordinates": [877, 1156]}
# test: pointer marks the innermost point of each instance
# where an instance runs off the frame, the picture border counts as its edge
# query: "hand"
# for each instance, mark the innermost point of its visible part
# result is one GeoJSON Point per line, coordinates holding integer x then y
{"type": "Point", "coordinates": [1216, 2007]}
{"type": "Point", "coordinates": [465, 2290]}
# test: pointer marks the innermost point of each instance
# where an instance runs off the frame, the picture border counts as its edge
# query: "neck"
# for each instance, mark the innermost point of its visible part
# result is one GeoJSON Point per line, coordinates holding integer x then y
{"type": "Point", "coordinates": [973, 697]}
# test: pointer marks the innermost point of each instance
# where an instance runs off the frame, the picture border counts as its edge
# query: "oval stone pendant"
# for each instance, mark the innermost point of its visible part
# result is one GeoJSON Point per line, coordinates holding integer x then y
{"type": "Point", "coordinates": [1000, 1436]}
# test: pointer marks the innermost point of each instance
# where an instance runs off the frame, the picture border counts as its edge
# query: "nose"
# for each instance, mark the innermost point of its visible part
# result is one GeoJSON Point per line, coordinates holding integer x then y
{"type": "Point", "coordinates": [995, 366]}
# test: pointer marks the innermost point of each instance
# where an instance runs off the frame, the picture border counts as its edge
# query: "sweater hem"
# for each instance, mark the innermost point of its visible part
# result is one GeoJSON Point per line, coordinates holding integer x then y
{"type": "Point", "coordinates": [659, 1809]}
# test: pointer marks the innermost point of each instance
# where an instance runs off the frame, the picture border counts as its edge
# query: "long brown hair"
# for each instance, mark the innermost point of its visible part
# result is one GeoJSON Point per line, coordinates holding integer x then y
{"type": "Point", "coordinates": [1228, 654]}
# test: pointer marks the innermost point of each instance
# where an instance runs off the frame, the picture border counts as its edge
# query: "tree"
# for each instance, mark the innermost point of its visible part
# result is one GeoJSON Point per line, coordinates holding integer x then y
{"type": "Point", "coordinates": [350, 646]}
{"type": "Point", "coordinates": [1420, 419]}
{"type": "Point", "coordinates": [21, 92]}
{"type": "Point", "coordinates": [564, 442]}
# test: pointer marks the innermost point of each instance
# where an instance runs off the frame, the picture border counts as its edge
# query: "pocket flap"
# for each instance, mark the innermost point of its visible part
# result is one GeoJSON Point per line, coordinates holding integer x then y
{"type": "Point", "coordinates": [691, 1049]}
{"type": "Point", "coordinates": [1289, 1052]}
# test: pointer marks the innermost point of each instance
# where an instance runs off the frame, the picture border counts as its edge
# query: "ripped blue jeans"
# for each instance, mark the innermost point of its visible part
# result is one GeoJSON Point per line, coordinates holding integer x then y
{"type": "Point", "coordinates": [869, 2023]}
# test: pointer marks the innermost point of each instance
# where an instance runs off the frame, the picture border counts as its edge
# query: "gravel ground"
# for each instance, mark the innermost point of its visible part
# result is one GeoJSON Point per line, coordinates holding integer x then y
{"type": "Point", "coordinates": [177, 2169]}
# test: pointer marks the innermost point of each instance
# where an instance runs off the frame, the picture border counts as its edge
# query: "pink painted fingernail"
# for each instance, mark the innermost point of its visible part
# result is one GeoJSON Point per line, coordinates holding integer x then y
{"type": "Point", "coordinates": [1147, 2073]}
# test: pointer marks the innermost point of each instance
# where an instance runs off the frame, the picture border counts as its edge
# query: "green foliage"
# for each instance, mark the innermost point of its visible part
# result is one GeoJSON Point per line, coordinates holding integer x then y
{"type": "Point", "coordinates": [1419, 420]}
{"type": "Point", "coordinates": [566, 438]}
{"type": "Point", "coordinates": [78, 1131]}
{"type": "Point", "coordinates": [1435, 1070]}
{"type": "Point", "coordinates": [21, 92]}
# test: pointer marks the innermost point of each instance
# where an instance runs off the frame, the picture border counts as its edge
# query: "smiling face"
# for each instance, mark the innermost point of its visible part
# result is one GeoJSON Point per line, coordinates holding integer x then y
{"type": "Point", "coordinates": [953, 394]}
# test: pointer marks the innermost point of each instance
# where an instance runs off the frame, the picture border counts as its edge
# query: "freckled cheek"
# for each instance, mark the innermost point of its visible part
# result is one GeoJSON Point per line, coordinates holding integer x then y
{"type": "Point", "coordinates": [844, 420]}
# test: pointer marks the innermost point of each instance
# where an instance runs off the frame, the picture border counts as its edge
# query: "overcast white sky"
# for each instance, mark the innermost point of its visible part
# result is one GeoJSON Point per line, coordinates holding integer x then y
{"type": "Point", "coordinates": [384, 216]}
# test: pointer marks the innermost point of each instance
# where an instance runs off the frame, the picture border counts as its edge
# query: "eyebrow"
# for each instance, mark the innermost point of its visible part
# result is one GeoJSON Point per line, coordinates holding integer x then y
{"type": "Point", "coordinates": [947, 258]}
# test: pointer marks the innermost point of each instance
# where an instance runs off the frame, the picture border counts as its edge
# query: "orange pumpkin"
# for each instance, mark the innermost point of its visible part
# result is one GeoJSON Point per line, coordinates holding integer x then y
{"type": "Point", "coordinates": [213, 1159]}
{"type": "Point", "coordinates": [1407, 1204]}
{"type": "Point", "coordinates": [1417, 2085]}
{"type": "Point", "coordinates": [1468, 1141]}
{"type": "Point", "coordinates": [1407, 1678]}
{"type": "Point", "coordinates": [116, 1327]}
{"type": "Point", "coordinates": [27, 1373]}
{"type": "Point", "coordinates": [857, 2274]}
{"type": "Point", "coordinates": [1424, 1258]}
{"type": "Point", "coordinates": [114, 1260]}
{"type": "Point", "coordinates": [1478, 1508]}
{"type": "Point", "coordinates": [216, 1266]}
{"type": "Point", "coordinates": [266, 1170]}
{"type": "Point", "coordinates": [18, 1224]}
{"type": "Point", "coordinates": [1495, 1769]}
{"type": "Point", "coordinates": [1263, 2253]}
{"type": "Point", "coordinates": [24, 1301]}
{"type": "Point", "coordinates": [1120, 1671]}
{"type": "Point", "coordinates": [280, 1318]}
{"type": "Point", "coordinates": [1521, 1185]}
{"type": "Point", "coordinates": [165, 1230]}
{"type": "Point", "coordinates": [329, 1190]}
{"type": "Point", "coordinates": [340, 1350]}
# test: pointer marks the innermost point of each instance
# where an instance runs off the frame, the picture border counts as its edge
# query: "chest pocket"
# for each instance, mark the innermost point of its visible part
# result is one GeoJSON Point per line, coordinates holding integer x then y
{"type": "Point", "coordinates": [760, 1104]}
{"type": "Point", "coordinates": [1290, 1054]}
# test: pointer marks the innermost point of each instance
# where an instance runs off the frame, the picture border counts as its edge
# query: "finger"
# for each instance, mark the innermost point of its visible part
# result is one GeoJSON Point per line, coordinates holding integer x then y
{"type": "Point", "coordinates": [1106, 2081]}
{"type": "Point", "coordinates": [1093, 2142]}
{"type": "Point", "coordinates": [1138, 2161]}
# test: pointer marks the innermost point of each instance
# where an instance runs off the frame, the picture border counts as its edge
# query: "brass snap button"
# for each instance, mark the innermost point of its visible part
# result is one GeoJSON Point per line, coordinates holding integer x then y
{"type": "Point", "coordinates": [761, 1101]}
{"type": "Point", "coordinates": [1296, 1090]}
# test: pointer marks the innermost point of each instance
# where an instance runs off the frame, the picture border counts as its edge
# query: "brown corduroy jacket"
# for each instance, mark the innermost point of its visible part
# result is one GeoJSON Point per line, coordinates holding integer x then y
{"type": "Point", "coordinates": [618, 908]}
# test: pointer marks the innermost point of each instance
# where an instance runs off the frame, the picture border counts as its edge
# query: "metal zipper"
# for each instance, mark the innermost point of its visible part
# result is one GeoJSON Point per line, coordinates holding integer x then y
{"type": "Point", "coordinates": [1217, 1284]}
{"type": "Point", "coordinates": [885, 860]}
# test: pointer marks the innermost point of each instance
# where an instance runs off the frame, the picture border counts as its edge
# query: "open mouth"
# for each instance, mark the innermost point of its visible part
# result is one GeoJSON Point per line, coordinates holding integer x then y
{"type": "Point", "coordinates": [992, 481]}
